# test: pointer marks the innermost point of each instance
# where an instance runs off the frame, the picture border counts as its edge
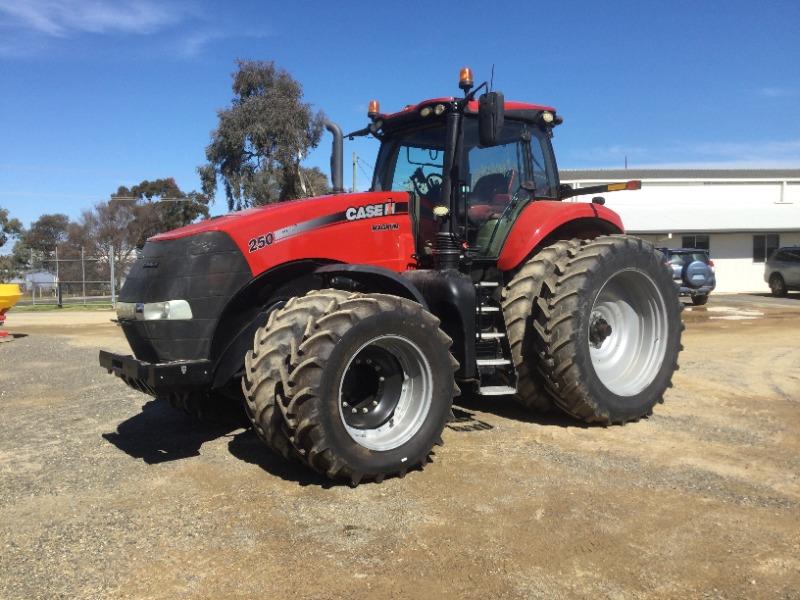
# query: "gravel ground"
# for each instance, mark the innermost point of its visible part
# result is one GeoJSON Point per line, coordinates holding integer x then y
{"type": "Point", "coordinates": [105, 493]}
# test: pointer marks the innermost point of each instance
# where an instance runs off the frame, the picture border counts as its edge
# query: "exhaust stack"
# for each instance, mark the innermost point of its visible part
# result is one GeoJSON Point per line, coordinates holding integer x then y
{"type": "Point", "coordinates": [336, 156]}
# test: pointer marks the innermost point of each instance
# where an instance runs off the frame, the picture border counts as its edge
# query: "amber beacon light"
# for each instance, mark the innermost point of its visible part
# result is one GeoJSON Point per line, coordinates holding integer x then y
{"type": "Point", "coordinates": [374, 108]}
{"type": "Point", "coordinates": [465, 78]}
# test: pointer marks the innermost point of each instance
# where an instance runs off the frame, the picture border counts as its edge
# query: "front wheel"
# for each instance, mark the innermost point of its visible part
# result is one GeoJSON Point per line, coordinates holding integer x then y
{"type": "Point", "coordinates": [777, 285]}
{"type": "Point", "coordinates": [608, 330]}
{"type": "Point", "coordinates": [367, 386]}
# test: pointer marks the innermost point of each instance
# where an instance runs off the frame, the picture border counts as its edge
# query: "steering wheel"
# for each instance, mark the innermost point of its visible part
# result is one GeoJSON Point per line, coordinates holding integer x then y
{"type": "Point", "coordinates": [433, 180]}
{"type": "Point", "coordinates": [418, 179]}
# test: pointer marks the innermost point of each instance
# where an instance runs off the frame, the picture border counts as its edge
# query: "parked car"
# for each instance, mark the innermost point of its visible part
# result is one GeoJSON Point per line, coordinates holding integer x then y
{"type": "Point", "coordinates": [782, 270]}
{"type": "Point", "coordinates": [692, 271]}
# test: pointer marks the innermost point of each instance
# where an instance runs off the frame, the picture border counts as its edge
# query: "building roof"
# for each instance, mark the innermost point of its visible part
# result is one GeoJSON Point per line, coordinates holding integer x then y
{"type": "Point", "coordinates": [606, 174]}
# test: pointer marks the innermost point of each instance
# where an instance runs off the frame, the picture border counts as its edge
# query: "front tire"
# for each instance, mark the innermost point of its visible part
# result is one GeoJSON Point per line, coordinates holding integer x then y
{"type": "Point", "coordinates": [777, 286]}
{"type": "Point", "coordinates": [262, 383]}
{"type": "Point", "coordinates": [367, 386]}
{"type": "Point", "coordinates": [608, 331]}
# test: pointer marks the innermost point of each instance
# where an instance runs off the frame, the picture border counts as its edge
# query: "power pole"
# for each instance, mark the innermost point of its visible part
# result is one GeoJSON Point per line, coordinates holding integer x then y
{"type": "Point", "coordinates": [113, 278]}
{"type": "Point", "coordinates": [83, 275]}
{"type": "Point", "coordinates": [355, 162]}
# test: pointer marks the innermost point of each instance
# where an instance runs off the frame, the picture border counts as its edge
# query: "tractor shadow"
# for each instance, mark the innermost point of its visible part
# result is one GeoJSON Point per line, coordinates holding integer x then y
{"type": "Point", "coordinates": [160, 433]}
{"type": "Point", "coordinates": [246, 446]}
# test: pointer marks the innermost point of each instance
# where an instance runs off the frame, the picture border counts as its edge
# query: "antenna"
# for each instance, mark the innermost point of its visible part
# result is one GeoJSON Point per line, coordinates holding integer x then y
{"type": "Point", "coordinates": [491, 79]}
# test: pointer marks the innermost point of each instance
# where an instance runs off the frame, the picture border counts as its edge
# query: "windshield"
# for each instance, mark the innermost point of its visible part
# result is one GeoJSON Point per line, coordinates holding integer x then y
{"type": "Point", "coordinates": [412, 161]}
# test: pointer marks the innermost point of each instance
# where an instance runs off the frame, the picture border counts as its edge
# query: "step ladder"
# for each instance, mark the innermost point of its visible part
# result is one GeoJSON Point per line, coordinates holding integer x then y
{"type": "Point", "coordinates": [495, 367]}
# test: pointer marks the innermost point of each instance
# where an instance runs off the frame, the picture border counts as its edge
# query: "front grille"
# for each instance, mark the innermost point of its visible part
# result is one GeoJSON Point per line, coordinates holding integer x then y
{"type": "Point", "coordinates": [207, 270]}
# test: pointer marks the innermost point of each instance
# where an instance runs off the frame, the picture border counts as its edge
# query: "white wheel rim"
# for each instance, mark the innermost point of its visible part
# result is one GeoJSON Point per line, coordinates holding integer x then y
{"type": "Point", "coordinates": [628, 329]}
{"type": "Point", "coordinates": [411, 402]}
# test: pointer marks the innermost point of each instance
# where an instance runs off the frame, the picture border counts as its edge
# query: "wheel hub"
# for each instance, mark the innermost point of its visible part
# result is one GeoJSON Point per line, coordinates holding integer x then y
{"type": "Point", "coordinates": [371, 388]}
{"type": "Point", "coordinates": [385, 392]}
{"type": "Point", "coordinates": [599, 330]}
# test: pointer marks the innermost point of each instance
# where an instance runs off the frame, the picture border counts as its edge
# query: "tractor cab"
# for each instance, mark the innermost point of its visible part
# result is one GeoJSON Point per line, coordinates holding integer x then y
{"type": "Point", "coordinates": [470, 167]}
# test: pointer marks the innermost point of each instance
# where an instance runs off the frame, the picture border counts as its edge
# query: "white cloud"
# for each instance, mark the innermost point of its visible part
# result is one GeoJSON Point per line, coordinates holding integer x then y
{"type": "Point", "coordinates": [732, 155]}
{"type": "Point", "coordinates": [63, 18]}
{"type": "Point", "coordinates": [777, 92]}
{"type": "Point", "coordinates": [761, 151]}
{"type": "Point", "coordinates": [192, 44]}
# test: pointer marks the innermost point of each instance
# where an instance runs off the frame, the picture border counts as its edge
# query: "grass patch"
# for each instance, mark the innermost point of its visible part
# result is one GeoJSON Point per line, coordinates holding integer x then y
{"type": "Point", "coordinates": [67, 308]}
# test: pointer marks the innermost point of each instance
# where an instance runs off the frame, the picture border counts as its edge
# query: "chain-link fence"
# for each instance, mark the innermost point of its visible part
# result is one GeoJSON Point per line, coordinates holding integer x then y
{"type": "Point", "coordinates": [76, 278]}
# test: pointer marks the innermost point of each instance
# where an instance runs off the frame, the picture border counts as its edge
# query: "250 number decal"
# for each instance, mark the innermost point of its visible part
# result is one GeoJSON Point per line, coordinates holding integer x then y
{"type": "Point", "coordinates": [262, 241]}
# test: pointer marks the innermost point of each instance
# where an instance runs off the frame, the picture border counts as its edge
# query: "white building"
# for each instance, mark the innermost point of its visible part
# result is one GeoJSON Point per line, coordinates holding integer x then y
{"type": "Point", "coordinates": [740, 216]}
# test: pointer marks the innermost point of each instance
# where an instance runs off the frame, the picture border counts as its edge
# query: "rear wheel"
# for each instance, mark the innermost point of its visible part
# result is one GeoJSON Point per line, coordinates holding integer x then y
{"type": "Point", "coordinates": [608, 332]}
{"type": "Point", "coordinates": [519, 299]}
{"type": "Point", "coordinates": [368, 387]}
{"type": "Point", "coordinates": [700, 299]}
{"type": "Point", "coordinates": [777, 285]}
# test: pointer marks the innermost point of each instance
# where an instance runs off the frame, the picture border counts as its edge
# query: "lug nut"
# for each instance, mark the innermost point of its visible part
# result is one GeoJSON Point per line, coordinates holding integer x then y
{"type": "Point", "coordinates": [345, 404]}
{"type": "Point", "coordinates": [363, 410]}
{"type": "Point", "coordinates": [354, 411]}
{"type": "Point", "coordinates": [381, 378]}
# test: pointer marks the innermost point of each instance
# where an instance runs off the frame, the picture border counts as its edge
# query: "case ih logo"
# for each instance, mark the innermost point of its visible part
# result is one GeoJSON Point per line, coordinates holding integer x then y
{"type": "Point", "coordinates": [354, 213]}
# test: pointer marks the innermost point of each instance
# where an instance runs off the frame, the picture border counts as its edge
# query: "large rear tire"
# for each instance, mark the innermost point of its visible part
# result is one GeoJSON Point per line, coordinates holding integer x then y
{"type": "Point", "coordinates": [368, 387]}
{"type": "Point", "coordinates": [272, 344]}
{"type": "Point", "coordinates": [608, 330]}
{"type": "Point", "coordinates": [519, 300]}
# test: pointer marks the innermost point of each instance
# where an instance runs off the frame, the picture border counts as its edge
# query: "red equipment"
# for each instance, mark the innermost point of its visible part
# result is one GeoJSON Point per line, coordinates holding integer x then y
{"type": "Point", "coordinates": [348, 322]}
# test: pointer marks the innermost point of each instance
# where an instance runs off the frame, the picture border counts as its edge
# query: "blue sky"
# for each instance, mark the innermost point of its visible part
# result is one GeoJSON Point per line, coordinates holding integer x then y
{"type": "Point", "coordinates": [99, 93]}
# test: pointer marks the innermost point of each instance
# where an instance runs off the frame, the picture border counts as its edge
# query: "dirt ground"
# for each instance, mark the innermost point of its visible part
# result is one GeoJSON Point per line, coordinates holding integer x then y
{"type": "Point", "coordinates": [105, 493]}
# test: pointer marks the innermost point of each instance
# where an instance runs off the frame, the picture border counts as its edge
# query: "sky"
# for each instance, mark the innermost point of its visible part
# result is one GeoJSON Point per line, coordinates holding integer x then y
{"type": "Point", "coordinates": [95, 94]}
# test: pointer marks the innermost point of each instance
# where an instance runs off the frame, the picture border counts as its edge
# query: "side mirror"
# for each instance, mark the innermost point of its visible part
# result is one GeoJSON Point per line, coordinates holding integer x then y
{"type": "Point", "coordinates": [491, 114]}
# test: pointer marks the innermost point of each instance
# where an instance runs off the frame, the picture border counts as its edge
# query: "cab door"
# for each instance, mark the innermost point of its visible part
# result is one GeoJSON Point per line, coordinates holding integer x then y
{"type": "Point", "coordinates": [495, 177]}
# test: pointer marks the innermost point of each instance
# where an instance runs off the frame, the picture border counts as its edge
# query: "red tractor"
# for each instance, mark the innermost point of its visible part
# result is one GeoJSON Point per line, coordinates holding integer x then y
{"type": "Point", "coordinates": [348, 322]}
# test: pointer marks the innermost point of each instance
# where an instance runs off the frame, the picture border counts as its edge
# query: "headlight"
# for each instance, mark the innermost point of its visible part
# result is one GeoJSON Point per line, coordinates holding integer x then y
{"type": "Point", "coordinates": [172, 310]}
{"type": "Point", "coordinates": [126, 311]}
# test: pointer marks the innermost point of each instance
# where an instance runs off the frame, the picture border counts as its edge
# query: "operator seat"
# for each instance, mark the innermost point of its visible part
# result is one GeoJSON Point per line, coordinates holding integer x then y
{"type": "Point", "coordinates": [489, 186]}
{"type": "Point", "coordinates": [488, 200]}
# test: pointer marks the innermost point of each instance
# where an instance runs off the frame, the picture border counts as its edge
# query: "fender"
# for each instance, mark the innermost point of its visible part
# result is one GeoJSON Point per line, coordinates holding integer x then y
{"type": "Point", "coordinates": [540, 219]}
{"type": "Point", "coordinates": [449, 295]}
{"type": "Point", "coordinates": [245, 313]}
{"type": "Point", "coordinates": [370, 279]}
